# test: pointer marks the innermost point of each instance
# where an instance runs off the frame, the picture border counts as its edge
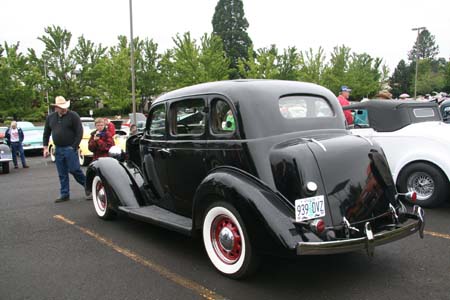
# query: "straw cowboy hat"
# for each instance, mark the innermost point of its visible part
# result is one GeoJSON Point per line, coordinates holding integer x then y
{"type": "Point", "coordinates": [61, 102]}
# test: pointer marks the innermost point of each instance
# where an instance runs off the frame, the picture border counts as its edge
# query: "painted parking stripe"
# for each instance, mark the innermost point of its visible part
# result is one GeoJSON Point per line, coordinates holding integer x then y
{"type": "Point", "coordinates": [180, 280]}
{"type": "Point", "coordinates": [437, 234]}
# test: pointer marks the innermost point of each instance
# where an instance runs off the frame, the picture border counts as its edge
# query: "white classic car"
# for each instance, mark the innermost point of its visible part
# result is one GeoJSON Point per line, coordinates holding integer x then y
{"type": "Point", "coordinates": [416, 143]}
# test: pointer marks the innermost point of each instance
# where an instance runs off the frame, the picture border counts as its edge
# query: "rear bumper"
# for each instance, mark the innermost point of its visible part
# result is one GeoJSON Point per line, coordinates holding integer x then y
{"type": "Point", "coordinates": [415, 222]}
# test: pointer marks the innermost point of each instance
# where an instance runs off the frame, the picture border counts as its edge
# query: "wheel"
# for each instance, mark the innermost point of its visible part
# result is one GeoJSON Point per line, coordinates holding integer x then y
{"type": "Point", "coordinates": [100, 199]}
{"type": "Point", "coordinates": [84, 160]}
{"type": "Point", "coordinates": [429, 183]}
{"type": "Point", "coordinates": [5, 167]}
{"type": "Point", "coordinates": [52, 154]}
{"type": "Point", "coordinates": [226, 241]}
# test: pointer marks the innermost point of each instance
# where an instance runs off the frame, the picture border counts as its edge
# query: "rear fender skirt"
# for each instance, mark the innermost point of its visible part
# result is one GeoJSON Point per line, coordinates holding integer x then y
{"type": "Point", "coordinates": [266, 214]}
{"type": "Point", "coordinates": [122, 180]}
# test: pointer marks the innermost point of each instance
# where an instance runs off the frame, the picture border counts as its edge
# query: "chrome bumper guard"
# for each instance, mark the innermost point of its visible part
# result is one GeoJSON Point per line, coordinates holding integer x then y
{"type": "Point", "coordinates": [415, 222]}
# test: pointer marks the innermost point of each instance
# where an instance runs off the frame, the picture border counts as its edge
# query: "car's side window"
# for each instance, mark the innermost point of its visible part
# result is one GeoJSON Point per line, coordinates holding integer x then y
{"type": "Point", "coordinates": [157, 119]}
{"type": "Point", "coordinates": [360, 118]}
{"type": "Point", "coordinates": [222, 117]}
{"type": "Point", "coordinates": [188, 117]}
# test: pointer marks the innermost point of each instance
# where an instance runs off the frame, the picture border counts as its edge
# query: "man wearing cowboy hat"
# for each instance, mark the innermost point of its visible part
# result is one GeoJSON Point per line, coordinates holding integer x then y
{"type": "Point", "coordinates": [66, 130]}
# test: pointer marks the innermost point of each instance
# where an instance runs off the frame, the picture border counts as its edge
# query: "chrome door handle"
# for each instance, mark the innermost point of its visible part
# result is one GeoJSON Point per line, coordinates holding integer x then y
{"type": "Point", "coordinates": [164, 150]}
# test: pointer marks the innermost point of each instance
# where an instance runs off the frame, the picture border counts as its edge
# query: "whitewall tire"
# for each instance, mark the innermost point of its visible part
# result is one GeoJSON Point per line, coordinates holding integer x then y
{"type": "Point", "coordinates": [100, 199]}
{"type": "Point", "coordinates": [226, 241]}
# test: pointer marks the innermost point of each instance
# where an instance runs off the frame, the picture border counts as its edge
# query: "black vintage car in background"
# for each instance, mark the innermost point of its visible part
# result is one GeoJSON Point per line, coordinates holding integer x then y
{"type": "Point", "coordinates": [255, 167]}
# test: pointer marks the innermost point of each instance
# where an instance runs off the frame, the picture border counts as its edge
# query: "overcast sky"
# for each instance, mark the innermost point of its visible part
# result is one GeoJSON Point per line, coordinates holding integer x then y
{"type": "Point", "coordinates": [380, 28]}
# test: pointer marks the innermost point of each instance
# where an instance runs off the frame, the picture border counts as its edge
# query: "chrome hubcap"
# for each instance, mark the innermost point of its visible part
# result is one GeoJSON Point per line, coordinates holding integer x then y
{"type": "Point", "coordinates": [422, 184]}
{"type": "Point", "coordinates": [226, 239]}
{"type": "Point", "coordinates": [101, 196]}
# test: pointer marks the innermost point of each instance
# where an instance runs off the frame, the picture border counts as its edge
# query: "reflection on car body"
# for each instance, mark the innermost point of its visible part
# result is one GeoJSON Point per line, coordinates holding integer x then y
{"type": "Point", "coordinates": [280, 184]}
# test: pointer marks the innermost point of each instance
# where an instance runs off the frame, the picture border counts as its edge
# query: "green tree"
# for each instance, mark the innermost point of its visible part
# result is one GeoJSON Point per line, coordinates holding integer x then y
{"type": "Point", "coordinates": [364, 75]}
{"type": "Point", "coordinates": [60, 63]}
{"type": "Point", "coordinates": [312, 66]}
{"type": "Point", "coordinates": [87, 56]}
{"type": "Point", "coordinates": [289, 64]}
{"type": "Point", "coordinates": [188, 63]}
{"type": "Point", "coordinates": [400, 80]}
{"type": "Point", "coordinates": [424, 47]}
{"type": "Point", "coordinates": [148, 75]}
{"type": "Point", "coordinates": [230, 24]}
{"type": "Point", "coordinates": [260, 65]}
{"type": "Point", "coordinates": [115, 78]}
{"type": "Point", "coordinates": [335, 75]}
{"type": "Point", "coordinates": [19, 79]}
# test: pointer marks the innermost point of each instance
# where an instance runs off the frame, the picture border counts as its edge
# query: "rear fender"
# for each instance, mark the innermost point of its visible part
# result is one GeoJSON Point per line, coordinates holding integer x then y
{"type": "Point", "coordinates": [123, 181]}
{"type": "Point", "coordinates": [267, 216]}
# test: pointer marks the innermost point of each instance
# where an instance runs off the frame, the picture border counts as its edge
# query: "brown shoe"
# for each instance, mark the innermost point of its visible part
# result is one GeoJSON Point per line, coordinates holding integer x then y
{"type": "Point", "coordinates": [25, 167]}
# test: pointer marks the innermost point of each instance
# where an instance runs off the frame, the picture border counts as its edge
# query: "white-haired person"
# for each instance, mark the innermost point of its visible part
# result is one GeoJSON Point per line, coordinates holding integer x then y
{"type": "Point", "coordinates": [14, 138]}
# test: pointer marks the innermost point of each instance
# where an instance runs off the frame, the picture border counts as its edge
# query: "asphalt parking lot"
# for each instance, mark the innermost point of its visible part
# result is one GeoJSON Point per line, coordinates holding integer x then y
{"type": "Point", "coordinates": [64, 251]}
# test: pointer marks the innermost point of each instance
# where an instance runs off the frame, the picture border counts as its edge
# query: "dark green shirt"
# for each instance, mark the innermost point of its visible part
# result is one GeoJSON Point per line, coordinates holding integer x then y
{"type": "Point", "coordinates": [65, 130]}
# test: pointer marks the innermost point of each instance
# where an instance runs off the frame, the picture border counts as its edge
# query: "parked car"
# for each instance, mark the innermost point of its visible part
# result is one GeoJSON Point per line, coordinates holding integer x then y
{"type": "Point", "coordinates": [140, 121]}
{"type": "Point", "coordinates": [445, 110]}
{"type": "Point", "coordinates": [2, 133]}
{"type": "Point", "coordinates": [276, 183]}
{"type": "Point", "coordinates": [416, 143]}
{"type": "Point", "coordinates": [32, 136]}
{"type": "Point", "coordinates": [84, 154]}
{"type": "Point", "coordinates": [5, 157]}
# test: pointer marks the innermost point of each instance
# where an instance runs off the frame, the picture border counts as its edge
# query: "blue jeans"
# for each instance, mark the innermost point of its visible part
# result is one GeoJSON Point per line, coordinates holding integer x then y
{"type": "Point", "coordinates": [67, 162]}
{"type": "Point", "coordinates": [17, 147]}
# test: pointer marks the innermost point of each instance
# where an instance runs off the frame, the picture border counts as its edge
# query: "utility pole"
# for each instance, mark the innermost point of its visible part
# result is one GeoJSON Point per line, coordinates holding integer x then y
{"type": "Point", "coordinates": [46, 87]}
{"type": "Point", "coordinates": [418, 29]}
{"type": "Point", "coordinates": [133, 94]}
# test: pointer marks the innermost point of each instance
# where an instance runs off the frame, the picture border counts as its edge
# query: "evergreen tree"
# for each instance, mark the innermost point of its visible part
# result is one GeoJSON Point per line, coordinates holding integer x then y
{"type": "Point", "coordinates": [424, 47]}
{"type": "Point", "coordinates": [401, 79]}
{"type": "Point", "coordinates": [230, 24]}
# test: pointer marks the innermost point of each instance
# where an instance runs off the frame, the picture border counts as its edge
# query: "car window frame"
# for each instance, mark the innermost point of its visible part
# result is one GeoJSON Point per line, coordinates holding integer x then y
{"type": "Point", "coordinates": [222, 135]}
{"type": "Point", "coordinates": [148, 135]}
{"type": "Point", "coordinates": [171, 117]}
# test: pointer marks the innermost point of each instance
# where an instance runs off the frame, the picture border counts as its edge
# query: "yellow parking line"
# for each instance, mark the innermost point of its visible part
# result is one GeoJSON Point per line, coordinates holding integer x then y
{"type": "Point", "coordinates": [437, 234]}
{"type": "Point", "coordinates": [184, 282]}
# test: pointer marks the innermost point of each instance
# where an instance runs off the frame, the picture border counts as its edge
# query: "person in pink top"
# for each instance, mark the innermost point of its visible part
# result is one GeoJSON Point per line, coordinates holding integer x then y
{"type": "Point", "coordinates": [343, 100]}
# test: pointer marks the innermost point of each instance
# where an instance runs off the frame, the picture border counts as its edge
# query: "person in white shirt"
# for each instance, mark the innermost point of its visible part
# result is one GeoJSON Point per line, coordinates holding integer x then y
{"type": "Point", "coordinates": [14, 138]}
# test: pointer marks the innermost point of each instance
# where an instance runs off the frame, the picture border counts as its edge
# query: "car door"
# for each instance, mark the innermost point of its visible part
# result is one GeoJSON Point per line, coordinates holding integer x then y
{"type": "Point", "coordinates": [154, 155]}
{"type": "Point", "coordinates": [187, 145]}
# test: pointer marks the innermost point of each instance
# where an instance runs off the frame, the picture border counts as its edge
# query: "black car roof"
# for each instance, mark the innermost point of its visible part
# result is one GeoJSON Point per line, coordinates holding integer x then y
{"type": "Point", "coordinates": [257, 104]}
{"type": "Point", "coordinates": [391, 115]}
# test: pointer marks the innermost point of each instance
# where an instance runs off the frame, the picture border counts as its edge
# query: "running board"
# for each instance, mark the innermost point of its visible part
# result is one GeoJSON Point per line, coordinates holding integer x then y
{"type": "Point", "coordinates": [159, 216]}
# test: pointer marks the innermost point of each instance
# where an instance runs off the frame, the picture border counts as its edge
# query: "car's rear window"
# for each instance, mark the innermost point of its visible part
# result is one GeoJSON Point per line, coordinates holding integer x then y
{"type": "Point", "coordinates": [302, 106]}
{"type": "Point", "coordinates": [426, 112]}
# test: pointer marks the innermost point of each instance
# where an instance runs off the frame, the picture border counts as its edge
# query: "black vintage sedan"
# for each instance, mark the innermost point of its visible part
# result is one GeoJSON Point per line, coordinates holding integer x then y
{"type": "Point", "coordinates": [255, 167]}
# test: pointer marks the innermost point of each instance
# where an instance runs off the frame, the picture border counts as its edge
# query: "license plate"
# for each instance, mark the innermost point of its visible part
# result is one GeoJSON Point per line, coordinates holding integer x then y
{"type": "Point", "coordinates": [309, 208]}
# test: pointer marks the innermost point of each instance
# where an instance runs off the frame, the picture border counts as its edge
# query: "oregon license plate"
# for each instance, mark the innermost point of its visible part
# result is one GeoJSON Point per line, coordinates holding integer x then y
{"type": "Point", "coordinates": [309, 208]}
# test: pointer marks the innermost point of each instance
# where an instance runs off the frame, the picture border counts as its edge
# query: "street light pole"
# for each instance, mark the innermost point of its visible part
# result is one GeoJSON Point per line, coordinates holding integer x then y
{"type": "Point", "coordinates": [133, 96]}
{"type": "Point", "coordinates": [417, 58]}
{"type": "Point", "coordinates": [46, 87]}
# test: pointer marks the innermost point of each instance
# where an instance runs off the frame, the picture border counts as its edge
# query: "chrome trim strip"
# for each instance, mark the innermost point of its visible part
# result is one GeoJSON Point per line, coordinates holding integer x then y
{"type": "Point", "coordinates": [319, 143]}
{"type": "Point", "coordinates": [363, 137]}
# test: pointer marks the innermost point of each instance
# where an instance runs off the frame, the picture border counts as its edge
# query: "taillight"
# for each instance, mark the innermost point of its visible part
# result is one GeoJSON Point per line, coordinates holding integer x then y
{"type": "Point", "coordinates": [318, 226]}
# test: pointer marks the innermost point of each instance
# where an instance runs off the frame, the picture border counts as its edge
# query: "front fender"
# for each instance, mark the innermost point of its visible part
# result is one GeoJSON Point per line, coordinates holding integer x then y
{"type": "Point", "coordinates": [122, 180]}
{"type": "Point", "coordinates": [267, 216]}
